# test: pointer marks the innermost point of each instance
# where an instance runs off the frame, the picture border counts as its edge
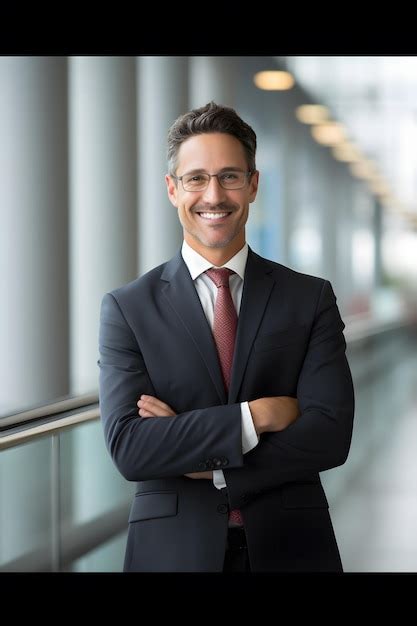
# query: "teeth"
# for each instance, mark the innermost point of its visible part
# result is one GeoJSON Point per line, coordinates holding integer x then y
{"type": "Point", "coordinates": [213, 216]}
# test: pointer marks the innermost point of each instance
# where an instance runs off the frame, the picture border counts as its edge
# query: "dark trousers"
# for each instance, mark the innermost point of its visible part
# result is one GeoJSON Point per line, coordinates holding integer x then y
{"type": "Point", "coordinates": [236, 557]}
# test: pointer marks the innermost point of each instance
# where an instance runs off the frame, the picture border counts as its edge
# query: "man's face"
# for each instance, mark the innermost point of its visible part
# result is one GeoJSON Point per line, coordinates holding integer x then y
{"type": "Point", "coordinates": [214, 217]}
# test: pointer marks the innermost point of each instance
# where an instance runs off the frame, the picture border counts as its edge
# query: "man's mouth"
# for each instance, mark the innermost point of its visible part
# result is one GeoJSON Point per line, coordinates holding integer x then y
{"type": "Point", "coordinates": [213, 216]}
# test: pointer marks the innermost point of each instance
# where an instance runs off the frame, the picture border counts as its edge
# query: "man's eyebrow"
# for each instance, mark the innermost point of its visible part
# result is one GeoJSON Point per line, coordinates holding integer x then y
{"type": "Point", "coordinates": [230, 168]}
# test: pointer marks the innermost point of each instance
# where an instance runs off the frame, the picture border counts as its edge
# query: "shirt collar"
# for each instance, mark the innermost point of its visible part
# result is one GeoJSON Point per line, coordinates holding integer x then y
{"type": "Point", "coordinates": [197, 264]}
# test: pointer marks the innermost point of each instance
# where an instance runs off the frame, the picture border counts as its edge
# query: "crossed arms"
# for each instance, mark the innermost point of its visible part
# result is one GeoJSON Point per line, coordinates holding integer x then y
{"type": "Point", "coordinates": [268, 414]}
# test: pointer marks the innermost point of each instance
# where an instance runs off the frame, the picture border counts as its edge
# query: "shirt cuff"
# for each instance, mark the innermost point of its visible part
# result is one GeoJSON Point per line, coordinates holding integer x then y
{"type": "Point", "coordinates": [250, 437]}
{"type": "Point", "coordinates": [218, 479]}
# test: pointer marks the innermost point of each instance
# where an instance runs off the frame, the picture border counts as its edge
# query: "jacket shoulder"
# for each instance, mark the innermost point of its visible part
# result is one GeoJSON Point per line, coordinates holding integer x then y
{"type": "Point", "coordinates": [139, 285]}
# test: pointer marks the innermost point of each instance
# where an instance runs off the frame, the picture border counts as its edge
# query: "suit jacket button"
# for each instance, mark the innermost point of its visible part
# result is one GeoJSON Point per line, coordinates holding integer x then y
{"type": "Point", "coordinates": [223, 508]}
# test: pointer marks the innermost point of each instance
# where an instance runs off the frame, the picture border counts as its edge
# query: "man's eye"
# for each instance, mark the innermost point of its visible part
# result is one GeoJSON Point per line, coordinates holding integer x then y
{"type": "Point", "coordinates": [229, 176]}
{"type": "Point", "coordinates": [194, 179]}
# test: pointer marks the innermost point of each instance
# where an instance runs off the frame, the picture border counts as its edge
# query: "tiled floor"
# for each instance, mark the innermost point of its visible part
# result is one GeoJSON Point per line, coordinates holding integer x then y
{"type": "Point", "coordinates": [375, 513]}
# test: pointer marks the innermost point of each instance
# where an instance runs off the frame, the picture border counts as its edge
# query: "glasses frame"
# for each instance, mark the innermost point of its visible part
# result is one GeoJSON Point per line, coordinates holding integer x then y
{"type": "Point", "coordinates": [247, 175]}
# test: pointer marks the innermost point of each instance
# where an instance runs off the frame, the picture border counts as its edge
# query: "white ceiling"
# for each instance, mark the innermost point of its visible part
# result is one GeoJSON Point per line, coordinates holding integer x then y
{"type": "Point", "coordinates": [376, 98]}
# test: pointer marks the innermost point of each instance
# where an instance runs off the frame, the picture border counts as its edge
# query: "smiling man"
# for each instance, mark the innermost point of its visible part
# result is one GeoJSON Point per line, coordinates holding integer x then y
{"type": "Point", "coordinates": [213, 208]}
{"type": "Point", "coordinates": [224, 385]}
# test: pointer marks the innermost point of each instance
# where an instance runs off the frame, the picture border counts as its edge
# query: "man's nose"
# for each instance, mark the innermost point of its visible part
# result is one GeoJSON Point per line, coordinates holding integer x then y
{"type": "Point", "coordinates": [214, 192]}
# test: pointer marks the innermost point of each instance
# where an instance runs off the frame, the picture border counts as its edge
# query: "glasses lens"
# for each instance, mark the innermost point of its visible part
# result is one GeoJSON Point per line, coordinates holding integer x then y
{"type": "Point", "coordinates": [232, 180]}
{"type": "Point", "coordinates": [195, 182]}
{"type": "Point", "coordinates": [228, 180]}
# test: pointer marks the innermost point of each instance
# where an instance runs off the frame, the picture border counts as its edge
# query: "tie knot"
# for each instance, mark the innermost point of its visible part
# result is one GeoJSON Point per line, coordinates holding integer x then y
{"type": "Point", "coordinates": [220, 276]}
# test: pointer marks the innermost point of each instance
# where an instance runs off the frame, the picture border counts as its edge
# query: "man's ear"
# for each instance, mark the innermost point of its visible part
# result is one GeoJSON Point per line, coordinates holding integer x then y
{"type": "Point", "coordinates": [253, 186]}
{"type": "Point", "coordinates": [172, 189]}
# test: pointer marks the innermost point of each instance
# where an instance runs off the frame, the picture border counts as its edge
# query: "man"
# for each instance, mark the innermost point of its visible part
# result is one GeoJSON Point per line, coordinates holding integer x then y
{"type": "Point", "coordinates": [224, 393]}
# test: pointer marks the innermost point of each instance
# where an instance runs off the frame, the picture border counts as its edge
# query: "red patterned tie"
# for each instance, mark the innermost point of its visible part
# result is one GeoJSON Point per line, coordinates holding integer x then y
{"type": "Point", "coordinates": [224, 332]}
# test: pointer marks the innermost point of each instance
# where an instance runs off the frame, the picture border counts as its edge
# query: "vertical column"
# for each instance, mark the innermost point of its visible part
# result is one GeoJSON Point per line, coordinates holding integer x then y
{"type": "Point", "coordinates": [377, 229]}
{"type": "Point", "coordinates": [102, 97]}
{"type": "Point", "coordinates": [212, 78]}
{"type": "Point", "coordinates": [344, 194]}
{"type": "Point", "coordinates": [102, 101]}
{"type": "Point", "coordinates": [331, 180]}
{"type": "Point", "coordinates": [33, 233]}
{"type": "Point", "coordinates": [162, 97]}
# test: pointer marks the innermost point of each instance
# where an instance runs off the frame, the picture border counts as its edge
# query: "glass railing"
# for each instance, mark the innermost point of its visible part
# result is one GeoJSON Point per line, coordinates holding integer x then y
{"type": "Point", "coordinates": [64, 505]}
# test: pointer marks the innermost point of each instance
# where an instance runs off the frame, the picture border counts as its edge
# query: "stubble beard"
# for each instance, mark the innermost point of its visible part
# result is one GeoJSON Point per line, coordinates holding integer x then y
{"type": "Point", "coordinates": [223, 243]}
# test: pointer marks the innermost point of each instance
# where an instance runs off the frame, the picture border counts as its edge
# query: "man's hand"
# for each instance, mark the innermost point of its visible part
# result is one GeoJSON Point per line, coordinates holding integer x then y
{"type": "Point", "coordinates": [207, 475]}
{"type": "Point", "coordinates": [273, 414]}
{"type": "Point", "coordinates": [149, 406]}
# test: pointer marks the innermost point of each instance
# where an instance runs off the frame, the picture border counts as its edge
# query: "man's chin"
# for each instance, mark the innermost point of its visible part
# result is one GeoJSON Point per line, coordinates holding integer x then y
{"type": "Point", "coordinates": [212, 242]}
{"type": "Point", "coordinates": [217, 244]}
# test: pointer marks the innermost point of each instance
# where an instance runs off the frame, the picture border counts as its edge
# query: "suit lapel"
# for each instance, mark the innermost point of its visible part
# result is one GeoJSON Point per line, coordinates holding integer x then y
{"type": "Point", "coordinates": [182, 296]}
{"type": "Point", "coordinates": [257, 288]}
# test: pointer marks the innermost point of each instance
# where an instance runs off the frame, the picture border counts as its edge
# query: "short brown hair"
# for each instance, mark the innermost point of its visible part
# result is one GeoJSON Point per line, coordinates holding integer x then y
{"type": "Point", "coordinates": [211, 118]}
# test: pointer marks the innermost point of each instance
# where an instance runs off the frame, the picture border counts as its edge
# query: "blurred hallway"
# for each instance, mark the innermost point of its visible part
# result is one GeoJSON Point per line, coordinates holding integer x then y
{"type": "Point", "coordinates": [375, 515]}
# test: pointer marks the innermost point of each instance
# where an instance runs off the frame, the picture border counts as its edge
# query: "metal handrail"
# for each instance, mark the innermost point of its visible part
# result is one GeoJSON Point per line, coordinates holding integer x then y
{"type": "Point", "coordinates": [53, 408]}
{"type": "Point", "coordinates": [360, 328]}
{"type": "Point", "coordinates": [25, 434]}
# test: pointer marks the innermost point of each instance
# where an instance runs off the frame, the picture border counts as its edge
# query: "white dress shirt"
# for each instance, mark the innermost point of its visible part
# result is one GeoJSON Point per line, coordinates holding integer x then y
{"type": "Point", "coordinates": [207, 292]}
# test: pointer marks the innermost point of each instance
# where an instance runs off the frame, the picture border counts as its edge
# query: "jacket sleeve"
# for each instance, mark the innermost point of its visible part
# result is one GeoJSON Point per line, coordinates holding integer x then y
{"type": "Point", "coordinates": [156, 447]}
{"type": "Point", "coordinates": [320, 437]}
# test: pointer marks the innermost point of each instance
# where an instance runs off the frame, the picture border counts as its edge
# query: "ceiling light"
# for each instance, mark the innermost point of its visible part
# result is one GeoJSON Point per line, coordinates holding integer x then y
{"type": "Point", "coordinates": [329, 133]}
{"type": "Point", "coordinates": [346, 152]}
{"type": "Point", "coordinates": [274, 80]}
{"type": "Point", "coordinates": [312, 113]}
{"type": "Point", "coordinates": [363, 169]}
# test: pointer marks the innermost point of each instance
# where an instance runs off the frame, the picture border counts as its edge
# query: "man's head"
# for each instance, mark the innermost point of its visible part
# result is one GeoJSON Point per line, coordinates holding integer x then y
{"type": "Point", "coordinates": [212, 177]}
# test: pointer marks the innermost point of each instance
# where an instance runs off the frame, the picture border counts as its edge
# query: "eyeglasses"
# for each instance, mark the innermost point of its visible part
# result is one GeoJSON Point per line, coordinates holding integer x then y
{"type": "Point", "coordinates": [227, 180]}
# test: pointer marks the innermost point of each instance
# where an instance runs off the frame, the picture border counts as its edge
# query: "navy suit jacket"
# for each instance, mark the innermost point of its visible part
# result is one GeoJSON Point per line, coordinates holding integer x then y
{"type": "Point", "coordinates": [155, 339]}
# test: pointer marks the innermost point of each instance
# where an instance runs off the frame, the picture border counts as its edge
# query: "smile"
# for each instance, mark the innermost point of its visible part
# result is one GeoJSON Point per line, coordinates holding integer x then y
{"type": "Point", "coordinates": [214, 216]}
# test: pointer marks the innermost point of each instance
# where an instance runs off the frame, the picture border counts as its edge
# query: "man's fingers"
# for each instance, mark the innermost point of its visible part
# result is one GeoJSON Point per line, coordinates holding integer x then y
{"type": "Point", "coordinates": [155, 406]}
{"type": "Point", "coordinates": [144, 413]}
{"type": "Point", "coordinates": [153, 403]}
